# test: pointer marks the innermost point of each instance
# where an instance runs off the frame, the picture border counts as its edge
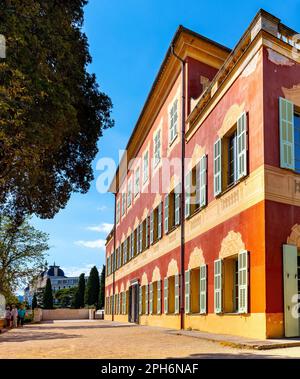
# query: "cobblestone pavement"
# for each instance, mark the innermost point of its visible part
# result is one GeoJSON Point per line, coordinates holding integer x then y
{"type": "Point", "coordinates": [104, 339]}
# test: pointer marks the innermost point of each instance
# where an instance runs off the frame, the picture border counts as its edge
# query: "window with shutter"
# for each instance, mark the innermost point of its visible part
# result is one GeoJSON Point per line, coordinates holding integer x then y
{"type": "Point", "coordinates": [187, 292]}
{"type": "Point", "coordinates": [147, 232]}
{"type": "Point", "coordinates": [218, 286]}
{"type": "Point", "coordinates": [166, 214]}
{"type": "Point", "coordinates": [203, 289]}
{"type": "Point", "coordinates": [151, 227]}
{"type": "Point", "coordinates": [177, 206]}
{"type": "Point", "coordinates": [140, 300]}
{"type": "Point", "coordinates": [173, 117]}
{"type": "Point", "coordinates": [141, 238]}
{"type": "Point", "coordinates": [137, 232]}
{"type": "Point", "coordinates": [125, 252]}
{"type": "Point", "coordinates": [217, 168]}
{"type": "Point", "coordinates": [242, 146]}
{"type": "Point", "coordinates": [166, 297]}
{"type": "Point", "coordinates": [287, 148]}
{"type": "Point", "coordinates": [159, 297]}
{"type": "Point", "coordinates": [188, 184]}
{"type": "Point", "coordinates": [159, 223]}
{"type": "Point", "coordinates": [146, 299]}
{"type": "Point", "coordinates": [202, 181]}
{"type": "Point", "coordinates": [151, 298]}
{"type": "Point", "coordinates": [177, 294]}
{"type": "Point", "coordinates": [243, 281]}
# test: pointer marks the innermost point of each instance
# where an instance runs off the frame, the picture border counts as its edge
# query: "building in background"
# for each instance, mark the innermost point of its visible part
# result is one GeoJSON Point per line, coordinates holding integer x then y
{"type": "Point", "coordinates": [58, 281]}
{"type": "Point", "coordinates": [222, 255]}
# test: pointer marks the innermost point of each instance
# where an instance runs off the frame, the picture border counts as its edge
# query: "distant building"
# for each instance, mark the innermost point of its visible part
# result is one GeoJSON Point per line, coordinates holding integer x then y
{"type": "Point", "coordinates": [58, 281]}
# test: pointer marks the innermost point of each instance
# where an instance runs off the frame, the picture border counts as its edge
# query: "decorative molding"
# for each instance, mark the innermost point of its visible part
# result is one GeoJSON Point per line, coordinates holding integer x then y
{"type": "Point", "coordinates": [231, 245]}
{"type": "Point", "coordinates": [230, 119]}
{"type": "Point", "coordinates": [156, 275]}
{"type": "Point", "coordinates": [196, 259]}
{"type": "Point", "coordinates": [198, 152]}
{"type": "Point", "coordinates": [294, 238]}
{"type": "Point", "coordinates": [144, 280]}
{"type": "Point", "coordinates": [172, 268]}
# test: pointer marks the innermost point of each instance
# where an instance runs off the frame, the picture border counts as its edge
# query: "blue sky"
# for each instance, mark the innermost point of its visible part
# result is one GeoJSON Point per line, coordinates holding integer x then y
{"type": "Point", "coordinates": [128, 41]}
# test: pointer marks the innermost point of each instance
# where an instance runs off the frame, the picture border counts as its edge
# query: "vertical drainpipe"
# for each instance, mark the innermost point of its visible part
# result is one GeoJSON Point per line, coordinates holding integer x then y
{"type": "Point", "coordinates": [182, 213]}
{"type": "Point", "coordinates": [115, 233]}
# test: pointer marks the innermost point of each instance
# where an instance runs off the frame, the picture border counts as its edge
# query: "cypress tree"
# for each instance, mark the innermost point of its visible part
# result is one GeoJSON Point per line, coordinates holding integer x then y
{"type": "Point", "coordinates": [48, 296]}
{"type": "Point", "coordinates": [34, 302]}
{"type": "Point", "coordinates": [93, 287]}
{"type": "Point", "coordinates": [79, 295]}
{"type": "Point", "coordinates": [102, 289]}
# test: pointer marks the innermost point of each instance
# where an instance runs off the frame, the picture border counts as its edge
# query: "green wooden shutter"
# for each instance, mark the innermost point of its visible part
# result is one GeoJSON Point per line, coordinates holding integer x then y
{"type": "Point", "coordinates": [166, 214]}
{"type": "Point", "coordinates": [243, 281]}
{"type": "Point", "coordinates": [203, 289]}
{"type": "Point", "coordinates": [177, 207]}
{"type": "Point", "coordinates": [166, 296]}
{"type": "Point", "coordinates": [124, 303]}
{"type": "Point", "coordinates": [286, 127]}
{"type": "Point", "coordinates": [151, 298]}
{"type": "Point", "coordinates": [290, 285]}
{"type": "Point", "coordinates": [217, 168]}
{"type": "Point", "coordinates": [197, 185]}
{"type": "Point", "coordinates": [218, 286]}
{"type": "Point", "coordinates": [242, 146]}
{"type": "Point", "coordinates": [146, 299]}
{"type": "Point", "coordinates": [141, 237]}
{"type": "Point", "coordinates": [137, 232]}
{"type": "Point", "coordinates": [176, 294]}
{"type": "Point", "coordinates": [151, 227]}
{"type": "Point", "coordinates": [159, 297]}
{"type": "Point", "coordinates": [188, 182]}
{"type": "Point", "coordinates": [140, 300]}
{"type": "Point", "coordinates": [187, 291]}
{"type": "Point", "coordinates": [146, 233]}
{"type": "Point", "coordinates": [159, 221]}
{"type": "Point", "coordinates": [202, 174]}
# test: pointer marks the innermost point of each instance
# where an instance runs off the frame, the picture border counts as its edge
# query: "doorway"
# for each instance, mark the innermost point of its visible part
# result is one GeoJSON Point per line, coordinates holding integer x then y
{"type": "Point", "coordinates": [133, 314]}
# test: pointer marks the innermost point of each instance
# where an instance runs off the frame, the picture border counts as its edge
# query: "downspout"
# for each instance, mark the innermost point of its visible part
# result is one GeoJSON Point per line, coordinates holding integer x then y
{"type": "Point", "coordinates": [115, 233]}
{"type": "Point", "coordinates": [182, 213]}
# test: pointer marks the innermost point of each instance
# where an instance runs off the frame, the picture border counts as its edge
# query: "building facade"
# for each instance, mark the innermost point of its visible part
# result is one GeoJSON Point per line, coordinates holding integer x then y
{"type": "Point", "coordinates": [58, 281]}
{"type": "Point", "coordinates": [207, 215]}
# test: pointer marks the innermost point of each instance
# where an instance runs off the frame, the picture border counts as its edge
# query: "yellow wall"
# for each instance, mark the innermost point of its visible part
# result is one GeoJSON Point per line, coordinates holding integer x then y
{"type": "Point", "coordinates": [166, 321]}
{"type": "Point", "coordinates": [252, 326]}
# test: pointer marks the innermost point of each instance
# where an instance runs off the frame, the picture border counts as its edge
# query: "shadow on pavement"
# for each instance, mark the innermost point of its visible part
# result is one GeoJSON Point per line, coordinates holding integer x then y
{"type": "Point", "coordinates": [75, 327]}
{"type": "Point", "coordinates": [237, 355]}
{"type": "Point", "coordinates": [23, 337]}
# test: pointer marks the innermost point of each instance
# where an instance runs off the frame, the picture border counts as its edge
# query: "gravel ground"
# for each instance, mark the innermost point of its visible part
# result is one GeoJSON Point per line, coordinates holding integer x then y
{"type": "Point", "coordinates": [104, 339]}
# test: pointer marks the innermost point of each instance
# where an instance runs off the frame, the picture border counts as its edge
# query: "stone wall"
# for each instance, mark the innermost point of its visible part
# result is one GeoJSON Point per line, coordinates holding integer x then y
{"type": "Point", "coordinates": [60, 314]}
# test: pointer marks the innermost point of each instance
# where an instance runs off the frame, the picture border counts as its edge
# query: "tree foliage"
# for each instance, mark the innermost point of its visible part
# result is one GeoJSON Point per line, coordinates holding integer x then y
{"type": "Point", "coordinates": [22, 253]}
{"type": "Point", "coordinates": [48, 296]}
{"type": "Point", "coordinates": [65, 297]}
{"type": "Point", "coordinates": [102, 289]}
{"type": "Point", "coordinates": [79, 294]}
{"type": "Point", "coordinates": [34, 303]}
{"type": "Point", "coordinates": [52, 111]}
{"type": "Point", "coordinates": [92, 288]}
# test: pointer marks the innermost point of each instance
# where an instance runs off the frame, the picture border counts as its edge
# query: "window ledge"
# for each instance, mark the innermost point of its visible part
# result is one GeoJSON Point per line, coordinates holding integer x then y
{"type": "Point", "coordinates": [235, 184]}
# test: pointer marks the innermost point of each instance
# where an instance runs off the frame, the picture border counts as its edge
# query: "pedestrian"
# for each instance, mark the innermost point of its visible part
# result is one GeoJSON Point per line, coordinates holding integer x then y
{"type": "Point", "coordinates": [21, 315]}
{"type": "Point", "coordinates": [8, 317]}
{"type": "Point", "coordinates": [14, 316]}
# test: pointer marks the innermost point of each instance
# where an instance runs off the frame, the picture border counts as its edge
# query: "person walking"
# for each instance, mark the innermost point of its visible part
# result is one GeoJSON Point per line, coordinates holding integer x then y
{"type": "Point", "coordinates": [8, 317]}
{"type": "Point", "coordinates": [14, 316]}
{"type": "Point", "coordinates": [21, 315]}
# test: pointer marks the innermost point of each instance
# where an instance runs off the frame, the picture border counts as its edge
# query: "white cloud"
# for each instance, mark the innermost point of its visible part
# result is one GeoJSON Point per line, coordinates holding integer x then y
{"type": "Point", "coordinates": [102, 228]}
{"type": "Point", "coordinates": [102, 208]}
{"type": "Point", "coordinates": [95, 244]}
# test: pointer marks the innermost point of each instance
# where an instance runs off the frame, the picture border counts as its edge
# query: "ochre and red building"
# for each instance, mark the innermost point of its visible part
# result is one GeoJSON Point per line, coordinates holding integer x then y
{"type": "Point", "coordinates": [222, 255]}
